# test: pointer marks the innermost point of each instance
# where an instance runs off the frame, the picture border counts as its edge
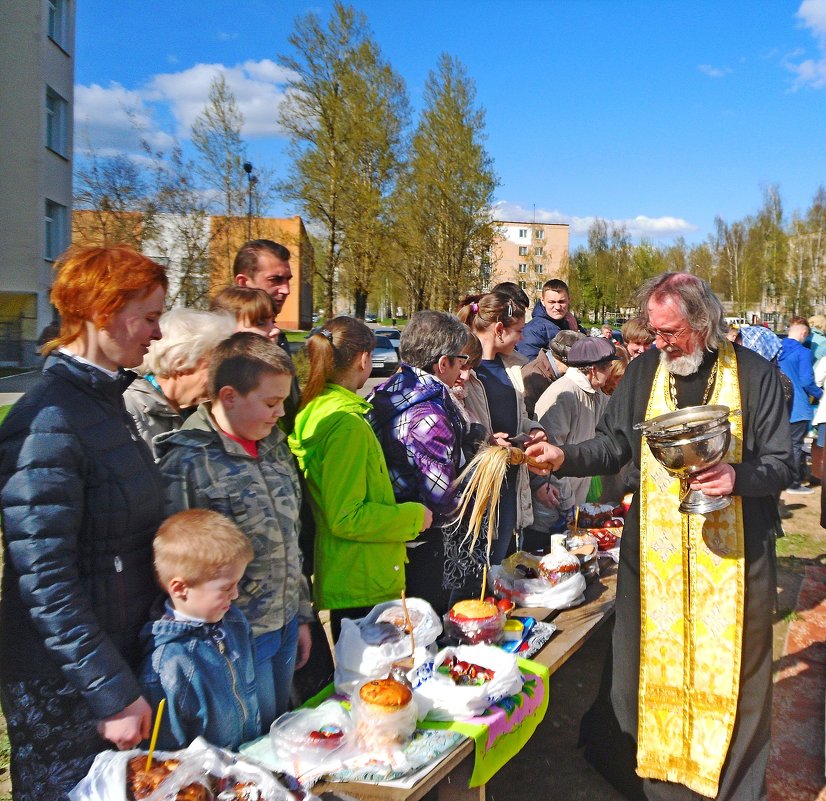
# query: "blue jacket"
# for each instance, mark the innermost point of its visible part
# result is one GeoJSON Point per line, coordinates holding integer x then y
{"type": "Point", "coordinates": [538, 333]}
{"type": "Point", "coordinates": [796, 362]}
{"type": "Point", "coordinates": [206, 671]}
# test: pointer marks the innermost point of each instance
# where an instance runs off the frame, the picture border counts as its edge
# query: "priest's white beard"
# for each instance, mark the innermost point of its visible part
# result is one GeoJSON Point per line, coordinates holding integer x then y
{"type": "Point", "coordinates": [687, 364]}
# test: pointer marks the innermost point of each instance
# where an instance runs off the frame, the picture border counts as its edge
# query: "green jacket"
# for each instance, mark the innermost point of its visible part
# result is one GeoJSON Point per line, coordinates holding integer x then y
{"type": "Point", "coordinates": [360, 529]}
{"type": "Point", "coordinates": [202, 468]}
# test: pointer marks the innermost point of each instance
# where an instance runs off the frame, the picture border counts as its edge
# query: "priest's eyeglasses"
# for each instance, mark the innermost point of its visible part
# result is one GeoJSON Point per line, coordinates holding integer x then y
{"type": "Point", "coordinates": [666, 336]}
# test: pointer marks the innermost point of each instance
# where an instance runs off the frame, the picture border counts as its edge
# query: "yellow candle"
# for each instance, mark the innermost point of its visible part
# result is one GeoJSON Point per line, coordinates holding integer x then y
{"type": "Point", "coordinates": [158, 716]}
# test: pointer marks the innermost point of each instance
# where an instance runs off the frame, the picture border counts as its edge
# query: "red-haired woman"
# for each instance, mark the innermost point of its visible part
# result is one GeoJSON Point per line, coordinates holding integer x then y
{"type": "Point", "coordinates": [81, 501]}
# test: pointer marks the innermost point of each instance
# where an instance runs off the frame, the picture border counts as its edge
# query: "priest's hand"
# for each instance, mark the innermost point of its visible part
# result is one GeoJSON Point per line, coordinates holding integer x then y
{"type": "Point", "coordinates": [550, 458]}
{"type": "Point", "coordinates": [714, 481]}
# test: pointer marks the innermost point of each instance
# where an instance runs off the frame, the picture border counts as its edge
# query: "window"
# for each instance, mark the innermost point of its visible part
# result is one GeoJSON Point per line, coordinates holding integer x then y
{"type": "Point", "coordinates": [523, 268]}
{"type": "Point", "coordinates": [537, 286]}
{"type": "Point", "coordinates": [523, 284]}
{"type": "Point", "coordinates": [538, 233]}
{"type": "Point", "coordinates": [57, 117]}
{"type": "Point", "coordinates": [59, 22]}
{"type": "Point", "coordinates": [523, 250]}
{"type": "Point", "coordinates": [540, 268]}
{"type": "Point", "coordinates": [539, 251]}
{"type": "Point", "coordinates": [523, 233]}
{"type": "Point", "coordinates": [56, 219]}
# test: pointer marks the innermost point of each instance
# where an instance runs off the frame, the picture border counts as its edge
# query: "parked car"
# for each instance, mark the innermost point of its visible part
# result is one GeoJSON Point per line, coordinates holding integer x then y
{"type": "Point", "coordinates": [393, 334]}
{"type": "Point", "coordinates": [370, 318]}
{"type": "Point", "coordinates": [385, 358]}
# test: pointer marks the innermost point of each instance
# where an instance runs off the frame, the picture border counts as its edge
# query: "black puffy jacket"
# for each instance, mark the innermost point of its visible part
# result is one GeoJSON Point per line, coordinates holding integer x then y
{"type": "Point", "coordinates": [81, 501]}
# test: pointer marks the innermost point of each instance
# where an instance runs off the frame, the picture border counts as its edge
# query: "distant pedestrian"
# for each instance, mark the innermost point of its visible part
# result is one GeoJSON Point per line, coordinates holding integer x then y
{"type": "Point", "coordinates": [796, 362]}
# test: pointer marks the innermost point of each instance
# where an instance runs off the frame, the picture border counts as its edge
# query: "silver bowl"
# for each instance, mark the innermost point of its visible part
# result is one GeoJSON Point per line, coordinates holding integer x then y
{"type": "Point", "coordinates": [687, 441]}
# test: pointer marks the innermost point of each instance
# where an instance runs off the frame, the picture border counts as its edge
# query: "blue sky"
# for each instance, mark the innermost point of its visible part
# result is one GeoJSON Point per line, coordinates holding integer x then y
{"type": "Point", "coordinates": [660, 115]}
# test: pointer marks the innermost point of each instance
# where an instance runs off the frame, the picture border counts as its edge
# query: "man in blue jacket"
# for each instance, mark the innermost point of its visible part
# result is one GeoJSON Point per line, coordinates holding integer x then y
{"type": "Point", "coordinates": [550, 316]}
{"type": "Point", "coordinates": [796, 362]}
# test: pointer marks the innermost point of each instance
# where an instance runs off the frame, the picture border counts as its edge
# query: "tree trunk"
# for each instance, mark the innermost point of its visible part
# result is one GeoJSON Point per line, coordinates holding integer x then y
{"type": "Point", "coordinates": [360, 302]}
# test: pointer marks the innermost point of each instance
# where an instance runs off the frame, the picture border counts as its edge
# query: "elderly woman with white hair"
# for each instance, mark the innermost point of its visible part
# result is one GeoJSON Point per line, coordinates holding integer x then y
{"type": "Point", "coordinates": [174, 371]}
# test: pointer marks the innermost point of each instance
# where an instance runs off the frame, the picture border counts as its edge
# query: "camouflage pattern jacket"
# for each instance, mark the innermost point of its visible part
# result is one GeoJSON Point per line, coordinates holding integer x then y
{"type": "Point", "coordinates": [202, 468]}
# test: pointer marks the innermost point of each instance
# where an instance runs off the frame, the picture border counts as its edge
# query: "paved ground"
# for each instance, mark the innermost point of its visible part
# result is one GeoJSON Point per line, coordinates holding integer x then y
{"type": "Point", "coordinates": [13, 386]}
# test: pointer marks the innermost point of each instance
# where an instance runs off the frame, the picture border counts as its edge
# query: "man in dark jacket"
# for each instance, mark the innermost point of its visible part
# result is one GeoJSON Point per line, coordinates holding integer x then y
{"type": "Point", "coordinates": [550, 316]}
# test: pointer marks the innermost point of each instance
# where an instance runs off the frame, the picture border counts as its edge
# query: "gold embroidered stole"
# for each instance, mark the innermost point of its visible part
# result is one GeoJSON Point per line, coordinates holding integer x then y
{"type": "Point", "coordinates": [692, 577]}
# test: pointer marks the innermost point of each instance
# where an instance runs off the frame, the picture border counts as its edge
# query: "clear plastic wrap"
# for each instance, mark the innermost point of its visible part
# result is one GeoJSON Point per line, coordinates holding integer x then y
{"type": "Point", "coordinates": [558, 565]}
{"type": "Point", "coordinates": [310, 742]}
{"type": "Point", "coordinates": [485, 625]}
{"type": "Point", "coordinates": [382, 730]}
{"type": "Point", "coordinates": [221, 775]}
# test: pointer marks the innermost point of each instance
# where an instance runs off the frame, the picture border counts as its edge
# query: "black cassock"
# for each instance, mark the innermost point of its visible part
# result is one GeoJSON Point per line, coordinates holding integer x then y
{"type": "Point", "coordinates": [609, 729]}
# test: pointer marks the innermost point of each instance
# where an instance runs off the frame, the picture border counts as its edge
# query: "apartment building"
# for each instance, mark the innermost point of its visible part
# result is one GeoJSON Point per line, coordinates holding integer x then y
{"type": "Point", "coordinates": [530, 253]}
{"type": "Point", "coordinates": [36, 96]}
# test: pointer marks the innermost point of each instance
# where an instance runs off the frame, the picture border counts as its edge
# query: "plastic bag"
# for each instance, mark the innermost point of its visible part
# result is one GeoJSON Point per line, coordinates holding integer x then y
{"type": "Point", "coordinates": [311, 742]}
{"type": "Point", "coordinates": [441, 698]}
{"type": "Point", "coordinates": [200, 763]}
{"type": "Point", "coordinates": [361, 653]}
{"type": "Point", "coordinates": [538, 592]}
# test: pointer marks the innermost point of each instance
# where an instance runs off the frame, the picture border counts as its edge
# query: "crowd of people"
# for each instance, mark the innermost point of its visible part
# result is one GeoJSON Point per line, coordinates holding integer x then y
{"type": "Point", "coordinates": [174, 534]}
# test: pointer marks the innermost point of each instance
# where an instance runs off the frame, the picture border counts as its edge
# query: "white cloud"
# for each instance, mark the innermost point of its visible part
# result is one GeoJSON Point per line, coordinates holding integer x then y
{"type": "Point", "coordinates": [812, 71]}
{"type": "Point", "coordinates": [713, 72]}
{"type": "Point", "coordinates": [638, 227]}
{"type": "Point", "coordinates": [107, 116]}
{"type": "Point", "coordinates": [113, 120]}
{"type": "Point", "coordinates": [258, 87]}
{"type": "Point", "coordinates": [813, 15]}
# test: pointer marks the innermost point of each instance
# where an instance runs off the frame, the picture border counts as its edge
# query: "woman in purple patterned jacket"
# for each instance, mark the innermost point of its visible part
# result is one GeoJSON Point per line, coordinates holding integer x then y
{"type": "Point", "coordinates": [421, 431]}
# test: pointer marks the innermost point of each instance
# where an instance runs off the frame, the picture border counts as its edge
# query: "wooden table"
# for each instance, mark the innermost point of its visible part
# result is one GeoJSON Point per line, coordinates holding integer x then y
{"type": "Point", "coordinates": [451, 775]}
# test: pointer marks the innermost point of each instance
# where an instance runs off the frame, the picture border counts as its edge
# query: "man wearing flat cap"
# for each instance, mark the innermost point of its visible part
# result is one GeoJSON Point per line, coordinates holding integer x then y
{"type": "Point", "coordinates": [539, 373]}
{"type": "Point", "coordinates": [684, 710]}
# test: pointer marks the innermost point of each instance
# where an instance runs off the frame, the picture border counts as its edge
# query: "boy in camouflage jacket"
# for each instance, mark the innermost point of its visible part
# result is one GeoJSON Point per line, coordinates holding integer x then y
{"type": "Point", "coordinates": [232, 458]}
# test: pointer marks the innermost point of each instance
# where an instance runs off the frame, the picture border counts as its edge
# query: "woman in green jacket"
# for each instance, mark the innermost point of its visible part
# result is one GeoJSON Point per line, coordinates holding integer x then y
{"type": "Point", "coordinates": [359, 554]}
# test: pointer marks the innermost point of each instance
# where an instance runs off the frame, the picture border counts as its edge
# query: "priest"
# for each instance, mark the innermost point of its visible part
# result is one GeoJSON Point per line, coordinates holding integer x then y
{"type": "Point", "coordinates": [684, 708]}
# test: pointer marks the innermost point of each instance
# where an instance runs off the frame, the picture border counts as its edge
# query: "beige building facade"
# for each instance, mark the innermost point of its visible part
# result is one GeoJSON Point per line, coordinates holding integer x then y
{"type": "Point", "coordinates": [229, 233]}
{"type": "Point", "coordinates": [198, 258]}
{"type": "Point", "coordinates": [529, 254]}
{"type": "Point", "coordinates": [36, 99]}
